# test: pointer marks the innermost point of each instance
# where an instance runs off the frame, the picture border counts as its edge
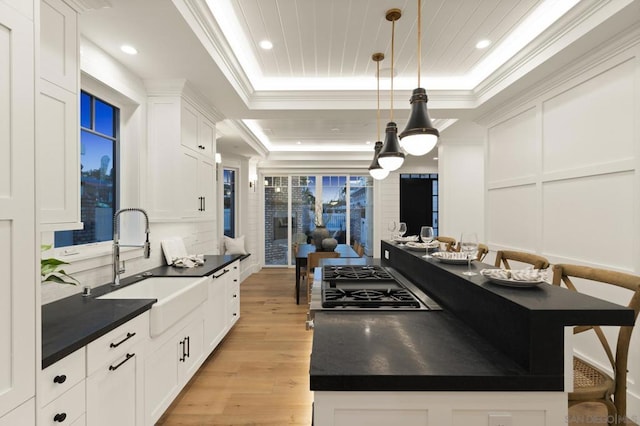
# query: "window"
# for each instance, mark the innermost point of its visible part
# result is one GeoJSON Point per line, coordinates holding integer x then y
{"type": "Point", "coordinates": [229, 177]}
{"type": "Point", "coordinates": [99, 140]}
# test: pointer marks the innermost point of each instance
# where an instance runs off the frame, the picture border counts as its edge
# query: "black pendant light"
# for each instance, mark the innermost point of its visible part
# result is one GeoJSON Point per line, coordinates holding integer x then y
{"type": "Point", "coordinates": [391, 156]}
{"type": "Point", "coordinates": [375, 169]}
{"type": "Point", "coordinates": [419, 137]}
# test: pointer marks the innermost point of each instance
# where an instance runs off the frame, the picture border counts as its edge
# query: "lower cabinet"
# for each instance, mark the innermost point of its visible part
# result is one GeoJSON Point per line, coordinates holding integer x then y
{"type": "Point", "coordinates": [215, 310]}
{"type": "Point", "coordinates": [114, 393]}
{"type": "Point", "coordinates": [233, 294]}
{"type": "Point", "coordinates": [173, 358]}
{"type": "Point", "coordinates": [22, 415]}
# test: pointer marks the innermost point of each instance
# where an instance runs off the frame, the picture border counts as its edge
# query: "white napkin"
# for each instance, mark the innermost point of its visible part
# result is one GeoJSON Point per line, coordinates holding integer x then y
{"type": "Point", "coordinates": [189, 261]}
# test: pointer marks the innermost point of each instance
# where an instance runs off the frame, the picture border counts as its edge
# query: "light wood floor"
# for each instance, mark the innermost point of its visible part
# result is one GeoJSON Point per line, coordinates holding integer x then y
{"type": "Point", "coordinates": [259, 375]}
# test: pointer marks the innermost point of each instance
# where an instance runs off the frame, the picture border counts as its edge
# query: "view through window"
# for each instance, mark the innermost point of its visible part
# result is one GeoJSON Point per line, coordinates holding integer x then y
{"type": "Point", "coordinates": [346, 203]}
{"type": "Point", "coordinates": [229, 178]}
{"type": "Point", "coordinates": [99, 138]}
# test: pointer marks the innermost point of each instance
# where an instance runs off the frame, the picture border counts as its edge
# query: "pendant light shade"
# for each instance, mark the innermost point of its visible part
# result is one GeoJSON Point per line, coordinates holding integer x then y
{"type": "Point", "coordinates": [375, 169]}
{"type": "Point", "coordinates": [391, 156]}
{"type": "Point", "coordinates": [419, 137]}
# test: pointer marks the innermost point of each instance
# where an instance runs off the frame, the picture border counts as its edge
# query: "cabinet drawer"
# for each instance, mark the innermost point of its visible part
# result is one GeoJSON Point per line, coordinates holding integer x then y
{"type": "Point", "coordinates": [62, 376]}
{"type": "Point", "coordinates": [66, 409]}
{"type": "Point", "coordinates": [116, 343]}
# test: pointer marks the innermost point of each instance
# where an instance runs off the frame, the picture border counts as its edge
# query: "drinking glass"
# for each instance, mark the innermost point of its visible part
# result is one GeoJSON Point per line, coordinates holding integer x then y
{"type": "Point", "coordinates": [426, 234]}
{"type": "Point", "coordinates": [469, 245]}
{"type": "Point", "coordinates": [402, 229]}
{"type": "Point", "coordinates": [392, 228]}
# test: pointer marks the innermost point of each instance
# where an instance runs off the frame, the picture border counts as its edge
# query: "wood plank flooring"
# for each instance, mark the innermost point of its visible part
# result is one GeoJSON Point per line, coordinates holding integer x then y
{"type": "Point", "coordinates": [259, 375]}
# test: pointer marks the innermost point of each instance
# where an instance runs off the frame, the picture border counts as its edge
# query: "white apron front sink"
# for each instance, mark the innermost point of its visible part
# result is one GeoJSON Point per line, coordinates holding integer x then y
{"type": "Point", "coordinates": [176, 297]}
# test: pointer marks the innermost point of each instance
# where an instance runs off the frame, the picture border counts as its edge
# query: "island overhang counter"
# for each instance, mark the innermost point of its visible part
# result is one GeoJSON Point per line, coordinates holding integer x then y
{"type": "Point", "coordinates": [491, 351]}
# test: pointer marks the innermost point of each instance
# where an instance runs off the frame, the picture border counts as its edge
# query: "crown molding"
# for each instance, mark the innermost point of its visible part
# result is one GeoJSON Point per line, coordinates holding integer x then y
{"type": "Point", "coordinates": [248, 137]}
{"type": "Point", "coordinates": [85, 5]}
{"type": "Point", "coordinates": [584, 17]}
{"type": "Point", "coordinates": [203, 24]}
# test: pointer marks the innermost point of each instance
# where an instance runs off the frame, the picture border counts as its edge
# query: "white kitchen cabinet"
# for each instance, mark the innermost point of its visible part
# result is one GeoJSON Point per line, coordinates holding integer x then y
{"type": "Point", "coordinates": [25, 414]}
{"type": "Point", "coordinates": [233, 295]}
{"type": "Point", "coordinates": [18, 267]}
{"type": "Point", "coordinates": [57, 136]}
{"type": "Point", "coordinates": [173, 358]}
{"type": "Point", "coordinates": [198, 180]}
{"type": "Point", "coordinates": [115, 368]}
{"type": "Point", "coordinates": [179, 130]}
{"type": "Point", "coordinates": [438, 408]}
{"type": "Point", "coordinates": [215, 315]}
{"type": "Point", "coordinates": [65, 409]}
{"type": "Point", "coordinates": [197, 132]}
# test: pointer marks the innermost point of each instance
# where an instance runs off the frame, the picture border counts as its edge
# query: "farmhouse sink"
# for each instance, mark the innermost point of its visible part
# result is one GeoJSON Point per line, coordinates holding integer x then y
{"type": "Point", "coordinates": [176, 297]}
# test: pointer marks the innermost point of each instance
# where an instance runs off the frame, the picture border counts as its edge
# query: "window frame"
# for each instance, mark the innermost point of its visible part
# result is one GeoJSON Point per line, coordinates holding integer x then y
{"type": "Point", "coordinates": [234, 208]}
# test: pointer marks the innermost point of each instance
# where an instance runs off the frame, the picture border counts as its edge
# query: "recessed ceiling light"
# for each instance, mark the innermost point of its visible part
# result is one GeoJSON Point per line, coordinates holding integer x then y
{"type": "Point", "coordinates": [128, 49]}
{"type": "Point", "coordinates": [483, 43]}
{"type": "Point", "coordinates": [368, 142]}
{"type": "Point", "coordinates": [435, 158]}
{"type": "Point", "coordinates": [266, 45]}
{"type": "Point", "coordinates": [335, 129]}
{"type": "Point", "coordinates": [298, 143]}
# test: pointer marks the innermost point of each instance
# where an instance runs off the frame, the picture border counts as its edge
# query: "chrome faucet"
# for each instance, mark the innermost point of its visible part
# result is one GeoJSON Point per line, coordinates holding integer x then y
{"type": "Point", "coordinates": [116, 243]}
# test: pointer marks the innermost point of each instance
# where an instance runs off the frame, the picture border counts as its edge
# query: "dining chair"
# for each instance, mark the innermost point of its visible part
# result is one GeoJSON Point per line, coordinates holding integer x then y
{"type": "Point", "coordinates": [356, 246]}
{"type": "Point", "coordinates": [590, 383]}
{"type": "Point", "coordinates": [504, 256]}
{"type": "Point", "coordinates": [483, 250]}
{"type": "Point", "coordinates": [303, 270]}
{"type": "Point", "coordinates": [313, 260]}
{"type": "Point", "coordinates": [360, 250]}
{"type": "Point", "coordinates": [449, 241]}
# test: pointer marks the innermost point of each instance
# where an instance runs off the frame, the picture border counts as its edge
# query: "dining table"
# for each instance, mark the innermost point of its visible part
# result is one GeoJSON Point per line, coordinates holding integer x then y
{"type": "Point", "coordinates": [345, 250]}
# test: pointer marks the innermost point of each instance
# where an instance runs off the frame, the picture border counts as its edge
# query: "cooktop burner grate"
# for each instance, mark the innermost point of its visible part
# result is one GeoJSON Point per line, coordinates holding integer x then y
{"type": "Point", "coordinates": [333, 273]}
{"type": "Point", "coordinates": [367, 298]}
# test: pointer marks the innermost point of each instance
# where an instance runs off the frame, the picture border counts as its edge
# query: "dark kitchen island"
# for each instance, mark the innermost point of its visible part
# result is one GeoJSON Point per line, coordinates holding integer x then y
{"type": "Point", "coordinates": [491, 351]}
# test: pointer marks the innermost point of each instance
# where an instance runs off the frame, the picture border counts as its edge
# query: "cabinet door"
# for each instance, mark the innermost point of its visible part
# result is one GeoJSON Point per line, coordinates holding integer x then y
{"type": "Point", "coordinates": [23, 415]}
{"type": "Point", "coordinates": [189, 118]}
{"type": "Point", "coordinates": [215, 325]}
{"type": "Point", "coordinates": [161, 380]}
{"type": "Point", "coordinates": [59, 44]}
{"type": "Point", "coordinates": [114, 392]}
{"type": "Point", "coordinates": [58, 162]}
{"type": "Point", "coordinates": [192, 200]}
{"type": "Point", "coordinates": [18, 267]}
{"type": "Point", "coordinates": [207, 186]}
{"type": "Point", "coordinates": [190, 350]}
{"type": "Point", "coordinates": [206, 137]}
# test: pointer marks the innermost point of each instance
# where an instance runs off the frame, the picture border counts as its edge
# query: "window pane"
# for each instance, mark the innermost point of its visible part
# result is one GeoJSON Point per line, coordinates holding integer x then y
{"type": "Point", "coordinates": [97, 175]}
{"type": "Point", "coordinates": [229, 202]}
{"type": "Point", "coordinates": [104, 118]}
{"type": "Point", "coordinates": [85, 110]}
{"type": "Point", "coordinates": [276, 226]}
{"type": "Point", "coordinates": [361, 213]}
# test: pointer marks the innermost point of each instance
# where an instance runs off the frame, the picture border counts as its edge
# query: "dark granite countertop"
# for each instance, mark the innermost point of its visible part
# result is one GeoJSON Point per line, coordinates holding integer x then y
{"type": "Point", "coordinates": [73, 322]}
{"type": "Point", "coordinates": [411, 351]}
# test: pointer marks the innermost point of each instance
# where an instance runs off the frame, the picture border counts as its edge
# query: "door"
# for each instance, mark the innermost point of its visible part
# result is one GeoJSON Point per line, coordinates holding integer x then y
{"type": "Point", "coordinates": [276, 220]}
{"type": "Point", "coordinates": [419, 202]}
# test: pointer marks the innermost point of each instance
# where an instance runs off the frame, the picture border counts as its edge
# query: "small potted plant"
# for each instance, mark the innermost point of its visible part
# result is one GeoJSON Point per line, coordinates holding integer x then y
{"type": "Point", "coordinates": [49, 270]}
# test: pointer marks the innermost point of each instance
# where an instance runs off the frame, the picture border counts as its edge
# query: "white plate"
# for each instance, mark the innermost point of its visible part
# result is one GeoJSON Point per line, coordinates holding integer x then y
{"type": "Point", "coordinates": [411, 245]}
{"type": "Point", "coordinates": [443, 256]}
{"type": "Point", "coordinates": [412, 238]}
{"type": "Point", "coordinates": [509, 282]}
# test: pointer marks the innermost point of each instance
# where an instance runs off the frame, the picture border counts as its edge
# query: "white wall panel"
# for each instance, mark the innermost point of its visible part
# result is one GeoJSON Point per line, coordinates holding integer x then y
{"type": "Point", "coordinates": [581, 216]}
{"type": "Point", "coordinates": [512, 148]}
{"type": "Point", "coordinates": [512, 217]}
{"type": "Point", "coordinates": [592, 122]}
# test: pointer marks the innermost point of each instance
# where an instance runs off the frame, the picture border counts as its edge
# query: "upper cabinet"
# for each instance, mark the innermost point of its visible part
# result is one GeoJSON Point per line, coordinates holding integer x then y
{"type": "Point", "coordinates": [18, 337]}
{"type": "Point", "coordinates": [57, 129]}
{"type": "Point", "coordinates": [181, 150]}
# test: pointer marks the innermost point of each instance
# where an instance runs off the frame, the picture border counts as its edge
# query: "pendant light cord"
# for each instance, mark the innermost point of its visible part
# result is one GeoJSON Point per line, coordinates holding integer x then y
{"type": "Point", "coordinates": [393, 32]}
{"type": "Point", "coordinates": [378, 115]}
{"type": "Point", "coordinates": [419, 38]}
